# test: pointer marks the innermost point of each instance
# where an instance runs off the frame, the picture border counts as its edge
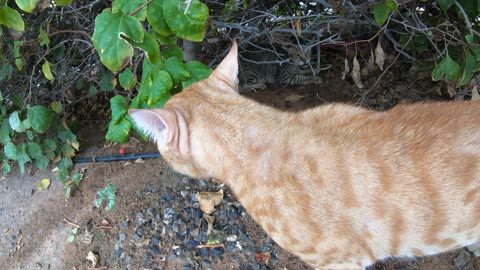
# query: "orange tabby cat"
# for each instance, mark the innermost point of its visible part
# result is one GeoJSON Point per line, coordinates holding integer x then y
{"type": "Point", "coordinates": [338, 185]}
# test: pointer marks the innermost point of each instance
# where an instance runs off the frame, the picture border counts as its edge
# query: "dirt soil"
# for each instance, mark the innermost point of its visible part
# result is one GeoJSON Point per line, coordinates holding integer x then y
{"type": "Point", "coordinates": [157, 223]}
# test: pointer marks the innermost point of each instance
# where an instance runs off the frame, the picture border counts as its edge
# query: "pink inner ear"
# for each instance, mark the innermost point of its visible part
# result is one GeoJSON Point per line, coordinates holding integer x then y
{"type": "Point", "coordinates": [152, 124]}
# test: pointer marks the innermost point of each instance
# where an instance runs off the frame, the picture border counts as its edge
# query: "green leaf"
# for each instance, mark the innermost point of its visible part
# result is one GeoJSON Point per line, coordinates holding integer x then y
{"type": "Point", "coordinates": [93, 91]}
{"type": "Point", "coordinates": [68, 137]}
{"type": "Point", "coordinates": [34, 150]}
{"type": "Point", "coordinates": [148, 45]}
{"type": "Point", "coordinates": [71, 238]}
{"type": "Point", "coordinates": [119, 108]}
{"type": "Point", "coordinates": [67, 150]}
{"type": "Point", "coordinates": [392, 4]}
{"type": "Point", "coordinates": [469, 69]}
{"type": "Point", "coordinates": [5, 71]}
{"type": "Point", "coordinates": [26, 124]}
{"type": "Point", "coordinates": [111, 47]}
{"type": "Point", "coordinates": [17, 53]}
{"type": "Point", "coordinates": [177, 69]}
{"type": "Point", "coordinates": [189, 26]}
{"type": "Point", "coordinates": [199, 72]}
{"type": "Point", "coordinates": [10, 150]}
{"type": "Point", "coordinates": [128, 6]}
{"type": "Point", "coordinates": [380, 13]}
{"type": "Point", "coordinates": [44, 39]}
{"type": "Point", "coordinates": [22, 156]}
{"type": "Point", "coordinates": [156, 18]}
{"type": "Point", "coordinates": [172, 51]}
{"type": "Point", "coordinates": [127, 79]}
{"type": "Point", "coordinates": [6, 168]}
{"type": "Point", "coordinates": [107, 82]}
{"type": "Point", "coordinates": [49, 145]}
{"type": "Point", "coordinates": [42, 162]}
{"type": "Point", "coordinates": [44, 184]}
{"type": "Point", "coordinates": [65, 163]}
{"type": "Point", "coordinates": [63, 3]}
{"type": "Point", "coordinates": [47, 72]}
{"type": "Point", "coordinates": [56, 106]}
{"type": "Point", "coordinates": [108, 192]}
{"type": "Point", "coordinates": [448, 69]}
{"type": "Point", "coordinates": [118, 132]}
{"type": "Point", "coordinates": [445, 4]}
{"type": "Point", "coordinates": [161, 85]}
{"type": "Point", "coordinates": [15, 122]}
{"type": "Point", "coordinates": [165, 40]}
{"type": "Point", "coordinates": [40, 118]}
{"type": "Point", "coordinates": [29, 135]}
{"type": "Point", "coordinates": [5, 131]}
{"type": "Point", "coordinates": [470, 8]}
{"type": "Point", "coordinates": [77, 177]}
{"type": "Point", "coordinates": [11, 18]}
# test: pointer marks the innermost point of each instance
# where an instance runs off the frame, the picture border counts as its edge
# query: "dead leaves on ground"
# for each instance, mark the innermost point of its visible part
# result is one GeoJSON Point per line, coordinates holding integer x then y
{"type": "Point", "coordinates": [356, 73]}
{"type": "Point", "coordinates": [208, 200]}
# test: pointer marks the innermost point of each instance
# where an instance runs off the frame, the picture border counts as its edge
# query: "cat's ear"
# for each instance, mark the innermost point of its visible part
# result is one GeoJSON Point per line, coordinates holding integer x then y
{"type": "Point", "coordinates": [155, 123]}
{"type": "Point", "coordinates": [226, 73]}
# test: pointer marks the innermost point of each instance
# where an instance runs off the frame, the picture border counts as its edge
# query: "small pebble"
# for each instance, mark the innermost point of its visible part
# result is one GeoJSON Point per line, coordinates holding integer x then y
{"type": "Point", "coordinates": [184, 193]}
{"type": "Point", "coordinates": [150, 211]}
{"type": "Point", "coordinates": [125, 224]}
{"type": "Point", "coordinates": [231, 238]}
{"type": "Point", "coordinates": [154, 249]}
{"type": "Point", "coordinates": [12, 238]}
{"type": "Point", "coordinates": [202, 183]}
{"type": "Point", "coordinates": [137, 238]}
{"type": "Point", "coordinates": [190, 245]}
{"type": "Point", "coordinates": [122, 237]}
{"type": "Point", "coordinates": [118, 251]}
{"type": "Point", "coordinates": [140, 218]}
{"type": "Point", "coordinates": [193, 198]}
{"type": "Point", "coordinates": [155, 241]}
{"type": "Point", "coordinates": [216, 251]}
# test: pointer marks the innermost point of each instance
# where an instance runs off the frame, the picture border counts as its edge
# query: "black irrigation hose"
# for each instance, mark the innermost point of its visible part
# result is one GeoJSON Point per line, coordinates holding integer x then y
{"type": "Point", "coordinates": [117, 158]}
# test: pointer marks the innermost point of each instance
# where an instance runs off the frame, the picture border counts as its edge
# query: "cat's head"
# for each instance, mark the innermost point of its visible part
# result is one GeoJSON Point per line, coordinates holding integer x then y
{"type": "Point", "coordinates": [172, 127]}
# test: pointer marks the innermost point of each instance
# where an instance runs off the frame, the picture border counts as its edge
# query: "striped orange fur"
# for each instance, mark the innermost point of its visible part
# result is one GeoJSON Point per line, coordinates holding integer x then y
{"type": "Point", "coordinates": [337, 185]}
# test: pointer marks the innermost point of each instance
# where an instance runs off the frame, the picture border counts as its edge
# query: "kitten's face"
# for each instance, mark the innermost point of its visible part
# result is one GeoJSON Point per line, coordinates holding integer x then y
{"type": "Point", "coordinates": [300, 56]}
{"type": "Point", "coordinates": [173, 129]}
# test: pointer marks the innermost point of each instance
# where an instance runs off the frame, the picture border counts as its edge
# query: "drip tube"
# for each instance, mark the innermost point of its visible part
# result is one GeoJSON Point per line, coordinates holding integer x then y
{"type": "Point", "coordinates": [117, 158]}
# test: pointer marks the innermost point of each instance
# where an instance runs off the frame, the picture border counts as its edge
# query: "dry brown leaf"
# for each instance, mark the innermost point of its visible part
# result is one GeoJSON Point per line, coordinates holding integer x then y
{"type": "Point", "coordinates": [263, 257]}
{"type": "Point", "coordinates": [210, 220]}
{"type": "Point", "coordinates": [105, 222]}
{"type": "Point", "coordinates": [208, 200]}
{"type": "Point", "coordinates": [371, 60]}
{"type": "Point", "coordinates": [357, 78]}
{"type": "Point", "coordinates": [379, 56]}
{"type": "Point", "coordinates": [475, 95]}
{"type": "Point", "coordinates": [93, 258]}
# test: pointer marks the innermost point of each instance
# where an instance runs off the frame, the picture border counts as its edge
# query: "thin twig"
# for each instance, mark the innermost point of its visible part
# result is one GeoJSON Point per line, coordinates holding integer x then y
{"type": "Point", "coordinates": [140, 8]}
{"type": "Point", "coordinates": [71, 223]}
{"type": "Point", "coordinates": [211, 246]}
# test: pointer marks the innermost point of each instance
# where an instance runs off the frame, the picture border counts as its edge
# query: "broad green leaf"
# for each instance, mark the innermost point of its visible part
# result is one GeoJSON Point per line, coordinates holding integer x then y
{"type": "Point", "coordinates": [42, 162]}
{"type": "Point", "coordinates": [161, 103]}
{"type": "Point", "coordinates": [77, 177]}
{"type": "Point", "coordinates": [22, 156]}
{"type": "Point", "coordinates": [56, 106]}
{"type": "Point", "coordinates": [199, 72]}
{"type": "Point", "coordinates": [148, 45]}
{"type": "Point", "coordinates": [470, 7]}
{"type": "Point", "coordinates": [44, 184]}
{"type": "Point", "coordinates": [15, 122]}
{"type": "Point", "coordinates": [10, 150]}
{"type": "Point", "coordinates": [34, 150]}
{"type": "Point", "coordinates": [6, 168]}
{"type": "Point", "coordinates": [47, 72]}
{"type": "Point", "coordinates": [17, 53]}
{"type": "Point", "coordinates": [165, 40]}
{"type": "Point", "coordinates": [40, 118]}
{"type": "Point", "coordinates": [65, 164]}
{"type": "Point", "coordinates": [380, 13]}
{"type": "Point", "coordinates": [5, 71]}
{"type": "Point", "coordinates": [80, 84]}
{"type": "Point", "coordinates": [111, 47]}
{"type": "Point", "coordinates": [392, 4]}
{"type": "Point", "coordinates": [146, 84]}
{"type": "Point", "coordinates": [49, 145]}
{"type": "Point", "coordinates": [445, 4]}
{"type": "Point", "coordinates": [127, 79]}
{"type": "Point", "coordinates": [107, 82]}
{"type": "Point", "coordinates": [63, 3]}
{"type": "Point", "coordinates": [189, 26]}
{"type": "Point", "coordinates": [93, 91]}
{"type": "Point", "coordinates": [68, 137]}
{"type": "Point", "coordinates": [447, 69]}
{"type": "Point", "coordinates": [119, 108]}
{"type": "Point", "coordinates": [161, 85]}
{"type": "Point", "coordinates": [26, 124]}
{"type": "Point", "coordinates": [172, 51]}
{"type": "Point", "coordinates": [50, 155]}
{"type": "Point", "coordinates": [67, 150]}
{"type": "Point", "coordinates": [11, 18]}
{"type": "Point", "coordinates": [118, 132]}
{"type": "Point", "coordinates": [469, 69]}
{"type": "Point", "coordinates": [43, 36]}
{"type": "Point", "coordinates": [156, 18]}
{"type": "Point", "coordinates": [29, 135]}
{"type": "Point", "coordinates": [177, 69]}
{"type": "Point", "coordinates": [5, 131]}
{"type": "Point", "coordinates": [128, 6]}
